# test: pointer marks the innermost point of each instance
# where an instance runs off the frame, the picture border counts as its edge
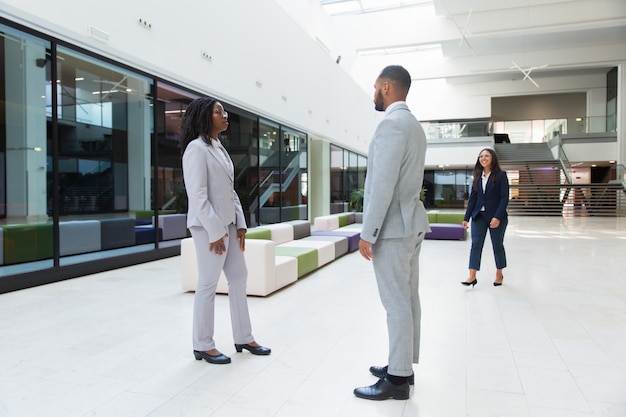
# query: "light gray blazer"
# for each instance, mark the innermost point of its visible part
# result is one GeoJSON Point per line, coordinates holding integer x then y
{"type": "Point", "coordinates": [395, 172]}
{"type": "Point", "coordinates": [209, 181]}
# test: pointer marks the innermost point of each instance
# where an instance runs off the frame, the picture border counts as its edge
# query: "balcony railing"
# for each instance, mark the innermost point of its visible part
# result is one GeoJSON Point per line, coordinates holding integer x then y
{"type": "Point", "coordinates": [520, 131]}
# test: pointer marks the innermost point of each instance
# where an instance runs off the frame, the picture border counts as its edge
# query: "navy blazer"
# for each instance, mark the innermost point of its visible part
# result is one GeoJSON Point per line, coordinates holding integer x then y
{"type": "Point", "coordinates": [495, 198]}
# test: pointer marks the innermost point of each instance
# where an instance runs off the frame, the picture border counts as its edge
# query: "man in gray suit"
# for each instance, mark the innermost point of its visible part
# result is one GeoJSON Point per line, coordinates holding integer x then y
{"type": "Point", "coordinates": [394, 225]}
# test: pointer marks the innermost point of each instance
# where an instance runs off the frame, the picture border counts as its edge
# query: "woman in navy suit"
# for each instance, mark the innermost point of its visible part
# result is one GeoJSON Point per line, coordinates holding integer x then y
{"type": "Point", "coordinates": [487, 209]}
{"type": "Point", "coordinates": [218, 227]}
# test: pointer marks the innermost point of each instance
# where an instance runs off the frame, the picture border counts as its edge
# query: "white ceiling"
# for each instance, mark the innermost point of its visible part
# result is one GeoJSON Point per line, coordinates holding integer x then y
{"type": "Point", "coordinates": [475, 41]}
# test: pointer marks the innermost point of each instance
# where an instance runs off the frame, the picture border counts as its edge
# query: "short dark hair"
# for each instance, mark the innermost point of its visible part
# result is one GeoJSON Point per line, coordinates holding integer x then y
{"type": "Point", "coordinates": [398, 75]}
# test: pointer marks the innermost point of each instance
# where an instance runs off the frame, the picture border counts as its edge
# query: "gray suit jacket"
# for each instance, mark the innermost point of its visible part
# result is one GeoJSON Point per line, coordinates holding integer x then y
{"type": "Point", "coordinates": [395, 172]}
{"type": "Point", "coordinates": [209, 181]}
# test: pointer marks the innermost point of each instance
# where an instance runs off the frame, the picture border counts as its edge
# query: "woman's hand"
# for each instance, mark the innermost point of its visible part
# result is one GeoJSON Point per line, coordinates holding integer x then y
{"type": "Point", "coordinates": [494, 223]}
{"type": "Point", "coordinates": [218, 246]}
{"type": "Point", "coordinates": [465, 224]}
{"type": "Point", "coordinates": [241, 237]}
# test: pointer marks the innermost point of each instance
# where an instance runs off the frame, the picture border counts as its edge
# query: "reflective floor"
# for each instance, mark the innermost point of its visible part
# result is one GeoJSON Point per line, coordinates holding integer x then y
{"type": "Point", "coordinates": [551, 342]}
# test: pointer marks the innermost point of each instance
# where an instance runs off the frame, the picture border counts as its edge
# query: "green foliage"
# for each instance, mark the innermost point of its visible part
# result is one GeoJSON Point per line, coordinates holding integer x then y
{"type": "Point", "coordinates": [356, 200]}
{"type": "Point", "coordinates": [181, 202]}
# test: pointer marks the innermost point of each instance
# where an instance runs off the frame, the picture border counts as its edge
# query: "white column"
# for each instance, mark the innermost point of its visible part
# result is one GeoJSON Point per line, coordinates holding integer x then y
{"type": "Point", "coordinates": [621, 114]}
{"type": "Point", "coordinates": [319, 178]}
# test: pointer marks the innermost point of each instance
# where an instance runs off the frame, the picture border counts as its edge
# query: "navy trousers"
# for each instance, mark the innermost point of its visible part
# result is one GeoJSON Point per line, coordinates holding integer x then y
{"type": "Point", "coordinates": [479, 228]}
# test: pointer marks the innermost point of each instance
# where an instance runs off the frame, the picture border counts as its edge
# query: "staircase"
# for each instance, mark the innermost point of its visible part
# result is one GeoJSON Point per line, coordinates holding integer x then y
{"type": "Point", "coordinates": [540, 185]}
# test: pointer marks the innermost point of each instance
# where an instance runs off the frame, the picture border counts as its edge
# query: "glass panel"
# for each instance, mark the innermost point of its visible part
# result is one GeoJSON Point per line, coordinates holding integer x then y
{"type": "Point", "coordinates": [463, 185]}
{"type": "Point", "coordinates": [26, 236]}
{"type": "Point", "coordinates": [337, 195]}
{"type": "Point", "coordinates": [269, 173]}
{"type": "Point", "coordinates": [362, 167]}
{"type": "Point", "coordinates": [353, 174]}
{"type": "Point", "coordinates": [241, 141]}
{"type": "Point", "coordinates": [444, 189]}
{"type": "Point", "coordinates": [170, 197]}
{"type": "Point", "coordinates": [346, 176]}
{"type": "Point", "coordinates": [105, 119]}
{"type": "Point", "coordinates": [293, 163]}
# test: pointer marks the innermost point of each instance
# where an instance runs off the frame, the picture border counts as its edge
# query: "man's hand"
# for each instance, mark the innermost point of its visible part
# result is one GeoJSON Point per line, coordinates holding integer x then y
{"type": "Point", "coordinates": [366, 249]}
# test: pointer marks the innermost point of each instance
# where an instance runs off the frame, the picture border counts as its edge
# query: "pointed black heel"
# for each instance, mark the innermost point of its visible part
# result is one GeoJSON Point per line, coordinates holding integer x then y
{"type": "Point", "coordinates": [467, 284]}
{"type": "Point", "coordinates": [497, 284]}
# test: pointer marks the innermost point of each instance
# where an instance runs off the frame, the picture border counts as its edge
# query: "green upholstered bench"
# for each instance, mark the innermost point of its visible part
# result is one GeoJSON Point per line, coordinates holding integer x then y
{"type": "Point", "coordinates": [147, 214]}
{"type": "Point", "coordinates": [450, 218]}
{"type": "Point", "coordinates": [307, 258]}
{"type": "Point", "coordinates": [446, 226]}
{"type": "Point", "coordinates": [27, 242]}
{"type": "Point", "coordinates": [259, 233]}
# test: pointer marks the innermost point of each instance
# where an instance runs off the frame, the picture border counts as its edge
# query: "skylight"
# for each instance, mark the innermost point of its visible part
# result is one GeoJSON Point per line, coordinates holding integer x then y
{"type": "Point", "coordinates": [337, 7]}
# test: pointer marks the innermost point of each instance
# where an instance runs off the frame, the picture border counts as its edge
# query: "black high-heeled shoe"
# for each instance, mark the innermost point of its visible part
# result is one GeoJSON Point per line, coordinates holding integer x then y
{"type": "Point", "coordinates": [497, 284]}
{"type": "Point", "coordinates": [255, 350]}
{"type": "Point", "coordinates": [467, 284]}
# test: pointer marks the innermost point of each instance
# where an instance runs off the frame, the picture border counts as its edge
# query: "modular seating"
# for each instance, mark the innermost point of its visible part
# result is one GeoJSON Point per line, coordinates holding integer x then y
{"type": "Point", "coordinates": [346, 225]}
{"type": "Point", "coordinates": [446, 226]}
{"type": "Point", "coordinates": [148, 214]}
{"type": "Point", "coordinates": [267, 272]}
{"type": "Point", "coordinates": [173, 226]}
{"type": "Point", "coordinates": [145, 233]}
{"type": "Point", "coordinates": [117, 233]}
{"type": "Point", "coordinates": [276, 255]}
{"type": "Point", "coordinates": [27, 242]}
{"type": "Point", "coordinates": [79, 236]}
{"type": "Point", "coordinates": [34, 241]}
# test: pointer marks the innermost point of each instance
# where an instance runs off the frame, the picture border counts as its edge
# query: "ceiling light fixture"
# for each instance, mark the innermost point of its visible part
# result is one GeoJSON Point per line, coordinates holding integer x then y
{"type": "Point", "coordinates": [399, 49]}
{"type": "Point", "coordinates": [527, 72]}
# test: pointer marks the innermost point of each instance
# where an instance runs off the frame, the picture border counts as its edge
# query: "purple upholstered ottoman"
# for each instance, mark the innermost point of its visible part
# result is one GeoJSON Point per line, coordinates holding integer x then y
{"type": "Point", "coordinates": [446, 231]}
{"type": "Point", "coordinates": [353, 237]}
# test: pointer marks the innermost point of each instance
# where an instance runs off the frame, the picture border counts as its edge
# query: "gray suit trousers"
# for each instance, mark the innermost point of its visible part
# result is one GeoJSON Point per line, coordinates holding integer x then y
{"type": "Point", "coordinates": [396, 265]}
{"type": "Point", "coordinates": [210, 267]}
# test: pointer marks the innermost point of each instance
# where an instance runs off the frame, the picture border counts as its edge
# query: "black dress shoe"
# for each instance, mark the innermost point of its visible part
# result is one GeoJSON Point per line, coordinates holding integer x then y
{"type": "Point", "coordinates": [215, 359]}
{"type": "Point", "coordinates": [255, 350]}
{"type": "Point", "coordinates": [383, 390]}
{"type": "Point", "coordinates": [381, 372]}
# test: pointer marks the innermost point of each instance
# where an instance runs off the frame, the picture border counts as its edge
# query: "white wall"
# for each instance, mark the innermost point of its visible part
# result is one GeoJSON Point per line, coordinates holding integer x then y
{"type": "Point", "coordinates": [580, 152]}
{"type": "Point", "coordinates": [261, 59]}
{"type": "Point", "coordinates": [456, 155]}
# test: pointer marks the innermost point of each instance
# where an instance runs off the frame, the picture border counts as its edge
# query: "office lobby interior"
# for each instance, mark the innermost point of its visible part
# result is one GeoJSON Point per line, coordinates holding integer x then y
{"type": "Point", "coordinates": [94, 321]}
{"type": "Point", "coordinates": [550, 342]}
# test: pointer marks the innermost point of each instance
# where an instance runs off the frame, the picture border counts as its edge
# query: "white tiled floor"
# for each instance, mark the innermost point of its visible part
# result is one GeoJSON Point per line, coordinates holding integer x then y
{"type": "Point", "coordinates": [551, 342]}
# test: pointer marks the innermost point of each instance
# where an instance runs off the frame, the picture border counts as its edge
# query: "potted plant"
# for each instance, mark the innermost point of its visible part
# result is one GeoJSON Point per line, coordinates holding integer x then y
{"type": "Point", "coordinates": [356, 200]}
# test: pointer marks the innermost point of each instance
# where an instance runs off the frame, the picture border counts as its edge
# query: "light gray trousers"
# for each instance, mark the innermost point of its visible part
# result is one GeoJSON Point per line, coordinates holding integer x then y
{"type": "Point", "coordinates": [396, 265]}
{"type": "Point", "coordinates": [210, 267]}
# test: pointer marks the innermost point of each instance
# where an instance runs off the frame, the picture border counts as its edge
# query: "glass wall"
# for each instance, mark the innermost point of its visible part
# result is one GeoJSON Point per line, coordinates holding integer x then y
{"type": "Point", "coordinates": [282, 192]}
{"type": "Point", "coordinates": [347, 173]}
{"type": "Point", "coordinates": [26, 235]}
{"type": "Point", "coordinates": [447, 188]}
{"type": "Point", "coordinates": [241, 141]}
{"type": "Point", "coordinates": [91, 169]}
